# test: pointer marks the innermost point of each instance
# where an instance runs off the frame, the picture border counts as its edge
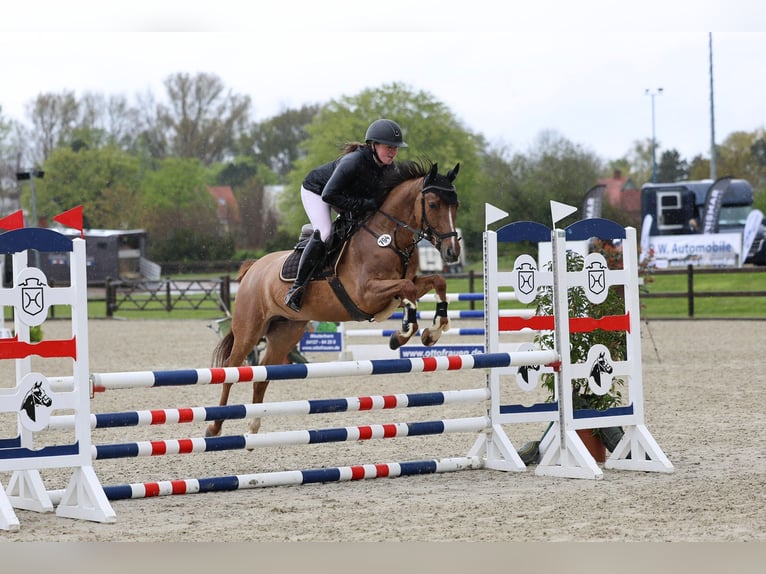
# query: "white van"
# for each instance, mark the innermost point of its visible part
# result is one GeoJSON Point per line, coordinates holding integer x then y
{"type": "Point", "coordinates": [431, 261]}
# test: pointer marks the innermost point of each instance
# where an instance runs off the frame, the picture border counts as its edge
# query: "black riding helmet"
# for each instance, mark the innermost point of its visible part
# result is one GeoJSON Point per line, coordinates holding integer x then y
{"type": "Point", "coordinates": [385, 132]}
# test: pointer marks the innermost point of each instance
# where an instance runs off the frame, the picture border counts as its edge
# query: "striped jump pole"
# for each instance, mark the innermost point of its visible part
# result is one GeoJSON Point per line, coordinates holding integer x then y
{"type": "Point", "coordinates": [464, 332]}
{"type": "Point", "coordinates": [468, 314]}
{"type": "Point", "coordinates": [303, 407]}
{"type": "Point", "coordinates": [334, 369]}
{"type": "Point", "coordinates": [288, 438]}
{"type": "Point", "coordinates": [501, 296]}
{"type": "Point", "coordinates": [284, 478]}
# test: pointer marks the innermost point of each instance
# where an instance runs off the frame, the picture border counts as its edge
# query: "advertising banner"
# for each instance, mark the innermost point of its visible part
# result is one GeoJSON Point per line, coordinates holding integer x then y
{"type": "Point", "coordinates": [715, 249]}
{"type": "Point", "coordinates": [321, 342]}
{"type": "Point", "coordinates": [713, 202]}
{"type": "Point", "coordinates": [592, 202]}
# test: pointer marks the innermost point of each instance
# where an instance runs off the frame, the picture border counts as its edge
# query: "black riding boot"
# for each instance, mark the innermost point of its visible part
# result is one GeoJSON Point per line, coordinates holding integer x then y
{"type": "Point", "coordinates": [312, 257]}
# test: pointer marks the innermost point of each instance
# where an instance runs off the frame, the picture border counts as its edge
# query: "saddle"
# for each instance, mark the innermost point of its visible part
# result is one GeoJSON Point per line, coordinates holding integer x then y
{"type": "Point", "coordinates": [342, 231]}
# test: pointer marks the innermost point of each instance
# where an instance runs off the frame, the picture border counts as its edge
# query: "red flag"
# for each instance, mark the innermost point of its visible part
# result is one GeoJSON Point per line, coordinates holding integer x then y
{"type": "Point", "coordinates": [71, 218]}
{"type": "Point", "coordinates": [13, 221]}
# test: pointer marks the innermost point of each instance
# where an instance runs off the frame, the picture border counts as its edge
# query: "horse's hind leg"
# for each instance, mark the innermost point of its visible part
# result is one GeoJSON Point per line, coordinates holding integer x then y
{"type": "Point", "coordinates": [240, 349]}
{"type": "Point", "coordinates": [441, 323]}
{"type": "Point", "coordinates": [280, 340]}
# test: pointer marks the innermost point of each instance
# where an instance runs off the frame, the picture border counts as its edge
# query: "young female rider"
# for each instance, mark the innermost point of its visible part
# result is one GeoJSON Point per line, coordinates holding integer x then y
{"type": "Point", "coordinates": [352, 183]}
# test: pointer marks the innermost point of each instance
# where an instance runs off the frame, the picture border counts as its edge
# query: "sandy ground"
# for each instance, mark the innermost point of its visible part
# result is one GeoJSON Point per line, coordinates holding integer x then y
{"type": "Point", "coordinates": [704, 387]}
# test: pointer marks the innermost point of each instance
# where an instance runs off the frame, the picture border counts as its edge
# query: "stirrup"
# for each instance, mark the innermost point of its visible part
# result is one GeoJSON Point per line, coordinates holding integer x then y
{"type": "Point", "coordinates": [294, 298]}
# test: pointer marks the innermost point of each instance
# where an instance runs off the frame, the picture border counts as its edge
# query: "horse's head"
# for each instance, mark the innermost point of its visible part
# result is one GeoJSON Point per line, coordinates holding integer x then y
{"type": "Point", "coordinates": [439, 209]}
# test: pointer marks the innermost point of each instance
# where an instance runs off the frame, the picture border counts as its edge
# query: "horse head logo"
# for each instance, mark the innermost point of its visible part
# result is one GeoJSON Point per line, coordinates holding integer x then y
{"type": "Point", "coordinates": [601, 366]}
{"type": "Point", "coordinates": [34, 398]}
{"type": "Point", "coordinates": [524, 371]}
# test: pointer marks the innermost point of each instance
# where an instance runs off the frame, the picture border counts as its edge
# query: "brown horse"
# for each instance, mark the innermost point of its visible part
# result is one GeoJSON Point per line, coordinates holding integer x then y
{"type": "Point", "coordinates": [375, 273]}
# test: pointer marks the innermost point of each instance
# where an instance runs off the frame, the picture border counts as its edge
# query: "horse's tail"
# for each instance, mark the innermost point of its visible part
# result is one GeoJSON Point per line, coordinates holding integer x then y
{"type": "Point", "coordinates": [223, 350]}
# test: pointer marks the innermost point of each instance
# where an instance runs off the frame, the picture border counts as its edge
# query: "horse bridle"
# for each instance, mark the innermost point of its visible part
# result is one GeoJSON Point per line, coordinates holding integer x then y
{"type": "Point", "coordinates": [428, 232]}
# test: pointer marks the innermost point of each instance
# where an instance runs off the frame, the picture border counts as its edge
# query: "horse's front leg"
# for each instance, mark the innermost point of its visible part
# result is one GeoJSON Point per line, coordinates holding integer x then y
{"type": "Point", "coordinates": [409, 325]}
{"type": "Point", "coordinates": [441, 322]}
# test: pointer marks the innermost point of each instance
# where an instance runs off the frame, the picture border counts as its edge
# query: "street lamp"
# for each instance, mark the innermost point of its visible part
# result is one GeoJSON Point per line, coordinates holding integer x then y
{"type": "Point", "coordinates": [652, 93]}
{"type": "Point", "coordinates": [31, 175]}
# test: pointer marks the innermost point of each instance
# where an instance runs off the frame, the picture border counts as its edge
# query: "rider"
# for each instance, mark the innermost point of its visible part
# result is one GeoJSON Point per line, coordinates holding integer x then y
{"type": "Point", "coordinates": [352, 183]}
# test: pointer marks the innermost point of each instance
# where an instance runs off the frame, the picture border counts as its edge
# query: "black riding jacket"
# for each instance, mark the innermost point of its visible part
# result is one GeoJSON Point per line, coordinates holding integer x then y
{"type": "Point", "coordinates": [352, 183]}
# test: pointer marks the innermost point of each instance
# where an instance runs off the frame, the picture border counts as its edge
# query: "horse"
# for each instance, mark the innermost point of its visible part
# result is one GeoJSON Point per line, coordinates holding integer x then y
{"type": "Point", "coordinates": [375, 272]}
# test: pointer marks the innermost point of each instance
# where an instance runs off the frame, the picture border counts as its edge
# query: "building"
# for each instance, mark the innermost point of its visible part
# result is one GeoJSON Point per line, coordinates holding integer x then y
{"type": "Point", "coordinates": [622, 194]}
{"type": "Point", "coordinates": [228, 208]}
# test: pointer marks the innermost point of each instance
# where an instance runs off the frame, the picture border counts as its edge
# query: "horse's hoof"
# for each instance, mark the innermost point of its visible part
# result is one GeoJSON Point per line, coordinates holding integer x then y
{"type": "Point", "coordinates": [394, 343]}
{"type": "Point", "coordinates": [428, 338]}
{"type": "Point", "coordinates": [211, 432]}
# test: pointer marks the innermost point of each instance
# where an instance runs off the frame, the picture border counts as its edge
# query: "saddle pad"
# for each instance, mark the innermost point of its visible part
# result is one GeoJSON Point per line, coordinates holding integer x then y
{"type": "Point", "coordinates": [289, 269]}
{"type": "Point", "coordinates": [290, 266]}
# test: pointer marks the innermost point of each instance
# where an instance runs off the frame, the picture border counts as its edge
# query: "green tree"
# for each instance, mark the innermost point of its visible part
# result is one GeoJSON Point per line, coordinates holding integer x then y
{"type": "Point", "coordinates": [640, 160]}
{"type": "Point", "coordinates": [276, 142]}
{"type": "Point", "coordinates": [180, 214]}
{"type": "Point", "coordinates": [431, 130]}
{"type": "Point", "coordinates": [735, 157]}
{"type": "Point", "coordinates": [554, 169]}
{"type": "Point", "coordinates": [105, 181]}
{"type": "Point", "coordinates": [671, 167]}
{"type": "Point", "coordinates": [259, 220]}
{"type": "Point", "coordinates": [699, 168]}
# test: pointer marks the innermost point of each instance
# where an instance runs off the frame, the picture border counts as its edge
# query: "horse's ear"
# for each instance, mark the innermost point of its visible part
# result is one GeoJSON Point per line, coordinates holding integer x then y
{"type": "Point", "coordinates": [453, 172]}
{"type": "Point", "coordinates": [434, 171]}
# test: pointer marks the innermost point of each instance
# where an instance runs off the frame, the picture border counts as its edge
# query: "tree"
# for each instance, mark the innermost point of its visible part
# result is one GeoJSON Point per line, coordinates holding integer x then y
{"type": "Point", "coordinates": [640, 159]}
{"type": "Point", "coordinates": [6, 176]}
{"type": "Point", "coordinates": [276, 142]}
{"type": "Point", "coordinates": [555, 169]}
{"type": "Point", "coordinates": [202, 120]}
{"type": "Point", "coordinates": [180, 215]}
{"type": "Point", "coordinates": [259, 219]}
{"type": "Point", "coordinates": [105, 181]}
{"type": "Point", "coordinates": [672, 168]}
{"type": "Point", "coordinates": [431, 130]}
{"type": "Point", "coordinates": [54, 117]}
{"type": "Point", "coordinates": [735, 157]}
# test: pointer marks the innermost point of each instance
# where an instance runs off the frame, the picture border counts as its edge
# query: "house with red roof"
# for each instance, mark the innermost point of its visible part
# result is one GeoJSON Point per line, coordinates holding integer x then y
{"type": "Point", "coordinates": [228, 208]}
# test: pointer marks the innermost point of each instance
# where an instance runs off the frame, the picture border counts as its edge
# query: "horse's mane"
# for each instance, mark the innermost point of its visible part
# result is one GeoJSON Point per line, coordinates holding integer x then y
{"type": "Point", "coordinates": [406, 171]}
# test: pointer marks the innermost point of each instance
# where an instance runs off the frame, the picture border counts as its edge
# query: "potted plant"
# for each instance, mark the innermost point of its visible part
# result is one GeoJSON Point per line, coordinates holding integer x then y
{"type": "Point", "coordinates": [616, 341]}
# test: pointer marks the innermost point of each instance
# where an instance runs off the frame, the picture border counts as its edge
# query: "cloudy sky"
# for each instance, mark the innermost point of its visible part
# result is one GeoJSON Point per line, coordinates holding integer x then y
{"type": "Point", "coordinates": [506, 70]}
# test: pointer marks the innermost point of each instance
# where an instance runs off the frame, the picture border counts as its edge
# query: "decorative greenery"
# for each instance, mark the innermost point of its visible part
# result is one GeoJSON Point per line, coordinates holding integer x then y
{"type": "Point", "coordinates": [579, 306]}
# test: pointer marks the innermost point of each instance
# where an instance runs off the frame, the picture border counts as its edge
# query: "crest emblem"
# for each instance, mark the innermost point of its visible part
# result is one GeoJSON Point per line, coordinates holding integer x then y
{"type": "Point", "coordinates": [596, 277]}
{"type": "Point", "coordinates": [32, 301]}
{"type": "Point", "coordinates": [525, 278]}
{"type": "Point", "coordinates": [597, 287]}
{"type": "Point", "coordinates": [32, 296]}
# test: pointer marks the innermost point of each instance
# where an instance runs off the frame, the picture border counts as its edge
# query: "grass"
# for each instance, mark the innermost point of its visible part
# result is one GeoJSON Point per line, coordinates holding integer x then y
{"type": "Point", "coordinates": [651, 308]}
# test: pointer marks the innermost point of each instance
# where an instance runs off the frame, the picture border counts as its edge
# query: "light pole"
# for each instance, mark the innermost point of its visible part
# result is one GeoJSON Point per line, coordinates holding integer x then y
{"type": "Point", "coordinates": [652, 93]}
{"type": "Point", "coordinates": [31, 175]}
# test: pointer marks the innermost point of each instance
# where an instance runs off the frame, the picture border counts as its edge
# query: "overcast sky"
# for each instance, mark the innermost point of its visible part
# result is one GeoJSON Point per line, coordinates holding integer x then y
{"type": "Point", "coordinates": [506, 71]}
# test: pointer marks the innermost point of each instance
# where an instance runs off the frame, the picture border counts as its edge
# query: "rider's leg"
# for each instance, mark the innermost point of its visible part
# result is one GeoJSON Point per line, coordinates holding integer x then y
{"type": "Point", "coordinates": [312, 257]}
{"type": "Point", "coordinates": [315, 251]}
